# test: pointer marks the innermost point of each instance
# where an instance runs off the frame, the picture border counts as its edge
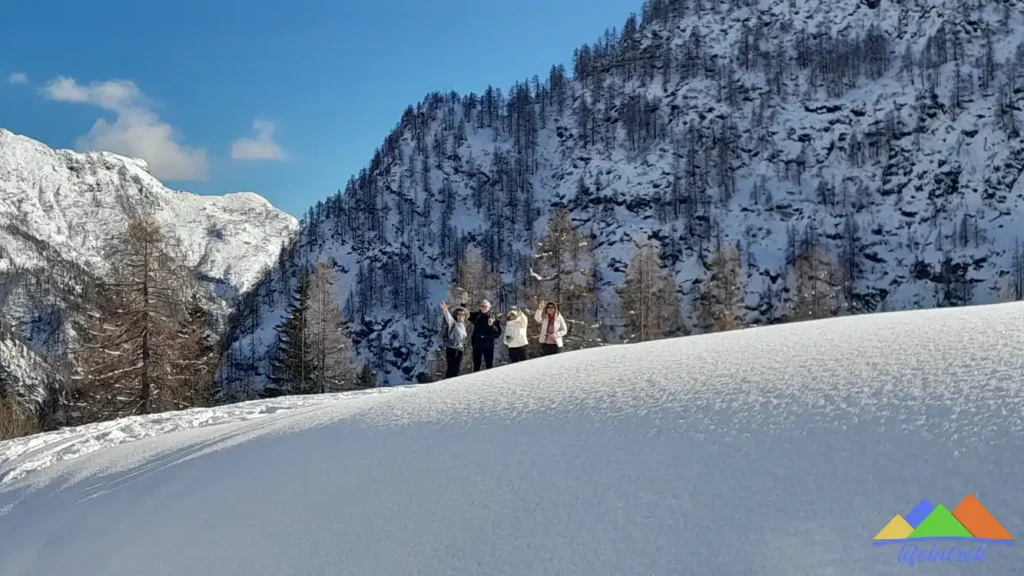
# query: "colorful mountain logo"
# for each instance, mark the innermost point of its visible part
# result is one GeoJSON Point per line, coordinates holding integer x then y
{"type": "Point", "coordinates": [969, 521]}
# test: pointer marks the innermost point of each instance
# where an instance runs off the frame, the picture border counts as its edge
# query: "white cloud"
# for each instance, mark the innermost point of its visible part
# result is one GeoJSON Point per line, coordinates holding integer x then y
{"type": "Point", "coordinates": [137, 131]}
{"type": "Point", "coordinates": [114, 95]}
{"type": "Point", "coordinates": [262, 147]}
{"type": "Point", "coordinates": [18, 78]}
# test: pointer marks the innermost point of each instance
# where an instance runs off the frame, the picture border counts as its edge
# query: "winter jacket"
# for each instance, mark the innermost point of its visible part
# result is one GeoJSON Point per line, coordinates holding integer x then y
{"type": "Point", "coordinates": [515, 330]}
{"type": "Point", "coordinates": [561, 329]}
{"type": "Point", "coordinates": [484, 334]}
{"type": "Point", "coordinates": [455, 336]}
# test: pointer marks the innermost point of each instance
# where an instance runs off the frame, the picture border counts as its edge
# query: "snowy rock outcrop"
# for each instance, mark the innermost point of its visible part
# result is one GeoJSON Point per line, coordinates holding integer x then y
{"type": "Point", "coordinates": [59, 209]}
{"type": "Point", "coordinates": [886, 135]}
{"type": "Point", "coordinates": [74, 203]}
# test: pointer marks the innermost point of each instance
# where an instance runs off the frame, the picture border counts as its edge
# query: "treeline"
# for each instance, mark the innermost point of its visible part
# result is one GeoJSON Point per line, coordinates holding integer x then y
{"type": "Point", "coordinates": [651, 303]}
{"type": "Point", "coordinates": [150, 344]}
{"type": "Point", "coordinates": [311, 348]}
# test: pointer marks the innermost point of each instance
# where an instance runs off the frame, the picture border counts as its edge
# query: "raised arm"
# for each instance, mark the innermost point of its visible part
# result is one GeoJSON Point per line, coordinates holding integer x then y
{"type": "Point", "coordinates": [447, 315]}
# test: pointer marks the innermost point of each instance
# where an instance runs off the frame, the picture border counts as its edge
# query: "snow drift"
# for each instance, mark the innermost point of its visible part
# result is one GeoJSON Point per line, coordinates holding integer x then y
{"type": "Point", "coordinates": [776, 451]}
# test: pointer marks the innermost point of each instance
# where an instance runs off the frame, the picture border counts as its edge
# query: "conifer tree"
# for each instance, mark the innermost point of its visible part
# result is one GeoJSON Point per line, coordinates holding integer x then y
{"type": "Point", "coordinates": [15, 420]}
{"type": "Point", "coordinates": [200, 357]}
{"type": "Point", "coordinates": [292, 368]}
{"type": "Point", "coordinates": [819, 288]}
{"type": "Point", "coordinates": [1013, 287]}
{"type": "Point", "coordinates": [366, 377]}
{"type": "Point", "coordinates": [563, 271]}
{"type": "Point", "coordinates": [134, 346]}
{"type": "Point", "coordinates": [476, 277]}
{"type": "Point", "coordinates": [313, 351]}
{"type": "Point", "coordinates": [329, 335]}
{"type": "Point", "coordinates": [721, 296]}
{"type": "Point", "coordinates": [650, 303]}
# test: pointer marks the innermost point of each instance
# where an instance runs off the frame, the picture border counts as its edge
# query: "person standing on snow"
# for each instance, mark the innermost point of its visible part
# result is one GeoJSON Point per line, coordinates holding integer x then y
{"type": "Point", "coordinates": [515, 335]}
{"type": "Point", "coordinates": [454, 339]}
{"type": "Point", "coordinates": [485, 331]}
{"type": "Point", "coordinates": [552, 329]}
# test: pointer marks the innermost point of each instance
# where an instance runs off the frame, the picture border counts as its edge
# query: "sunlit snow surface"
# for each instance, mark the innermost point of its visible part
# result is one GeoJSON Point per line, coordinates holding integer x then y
{"type": "Point", "coordinates": [775, 451]}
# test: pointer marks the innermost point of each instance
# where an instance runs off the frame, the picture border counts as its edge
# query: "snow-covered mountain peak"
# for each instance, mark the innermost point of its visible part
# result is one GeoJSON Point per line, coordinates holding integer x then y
{"type": "Point", "coordinates": [75, 202]}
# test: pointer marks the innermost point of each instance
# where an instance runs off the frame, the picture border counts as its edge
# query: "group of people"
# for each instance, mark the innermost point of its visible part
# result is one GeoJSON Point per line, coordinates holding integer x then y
{"type": "Point", "coordinates": [487, 328]}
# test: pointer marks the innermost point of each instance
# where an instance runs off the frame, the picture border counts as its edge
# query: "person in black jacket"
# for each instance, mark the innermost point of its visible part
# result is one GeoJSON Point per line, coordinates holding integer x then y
{"type": "Point", "coordinates": [486, 329]}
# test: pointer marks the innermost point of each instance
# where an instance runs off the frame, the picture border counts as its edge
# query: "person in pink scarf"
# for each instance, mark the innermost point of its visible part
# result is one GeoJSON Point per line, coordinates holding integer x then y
{"type": "Point", "coordinates": [552, 329]}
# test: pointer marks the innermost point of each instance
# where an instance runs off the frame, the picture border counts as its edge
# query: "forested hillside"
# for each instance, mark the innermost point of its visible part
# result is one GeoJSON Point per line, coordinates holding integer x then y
{"type": "Point", "coordinates": [710, 164]}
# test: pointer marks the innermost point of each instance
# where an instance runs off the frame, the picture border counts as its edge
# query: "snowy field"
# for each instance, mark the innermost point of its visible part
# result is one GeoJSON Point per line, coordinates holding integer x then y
{"type": "Point", "coordinates": [769, 451]}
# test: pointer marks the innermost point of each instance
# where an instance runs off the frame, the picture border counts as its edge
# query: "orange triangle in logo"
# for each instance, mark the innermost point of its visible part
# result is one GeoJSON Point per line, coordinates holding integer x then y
{"type": "Point", "coordinates": [978, 521]}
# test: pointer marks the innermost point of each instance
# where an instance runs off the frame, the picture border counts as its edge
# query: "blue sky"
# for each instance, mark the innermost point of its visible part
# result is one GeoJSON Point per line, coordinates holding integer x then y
{"type": "Point", "coordinates": [313, 86]}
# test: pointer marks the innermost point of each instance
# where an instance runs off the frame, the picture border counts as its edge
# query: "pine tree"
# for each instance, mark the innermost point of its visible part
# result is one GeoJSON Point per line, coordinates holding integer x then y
{"type": "Point", "coordinates": [476, 277]}
{"type": "Point", "coordinates": [366, 377]}
{"type": "Point", "coordinates": [721, 296]}
{"type": "Point", "coordinates": [650, 304]}
{"type": "Point", "coordinates": [15, 420]}
{"type": "Point", "coordinates": [328, 335]}
{"type": "Point", "coordinates": [200, 358]}
{"type": "Point", "coordinates": [133, 346]}
{"type": "Point", "coordinates": [1013, 289]}
{"type": "Point", "coordinates": [313, 353]}
{"type": "Point", "coordinates": [819, 286]}
{"type": "Point", "coordinates": [563, 271]}
{"type": "Point", "coordinates": [292, 365]}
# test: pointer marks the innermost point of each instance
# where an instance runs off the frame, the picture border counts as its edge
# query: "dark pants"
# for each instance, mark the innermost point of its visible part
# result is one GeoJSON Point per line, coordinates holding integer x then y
{"type": "Point", "coordinates": [549, 349]}
{"type": "Point", "coordinates": [486, 353]}
{"type": "Point", "coordinates": [517, 354]}
{"type": "Point", "coordinates": [454, 358]}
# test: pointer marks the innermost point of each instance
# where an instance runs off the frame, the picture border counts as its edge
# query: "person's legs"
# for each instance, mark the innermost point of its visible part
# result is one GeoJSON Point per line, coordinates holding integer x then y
{"type": "Point", "coordinates": [454, 358]}
{"type": "Point", "coordinates": [478, 355]}
{"type": "Point", "coordinates": [548, 349]}
{"type": "Point", "coordinates": [516, 354]}
{"type": "Point", "coordinates": [489, 356]}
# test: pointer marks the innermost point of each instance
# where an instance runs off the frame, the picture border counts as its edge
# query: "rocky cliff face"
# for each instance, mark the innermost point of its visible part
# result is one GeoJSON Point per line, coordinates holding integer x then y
{"type": "Point", "coordinates": [885, 133]}
{"type": "Point", "coordinates": [59, 210]}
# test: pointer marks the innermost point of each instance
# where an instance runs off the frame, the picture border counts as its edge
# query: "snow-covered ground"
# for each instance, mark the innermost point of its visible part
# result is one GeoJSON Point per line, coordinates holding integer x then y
{"type": "Point", "coordinates": [770, 451]}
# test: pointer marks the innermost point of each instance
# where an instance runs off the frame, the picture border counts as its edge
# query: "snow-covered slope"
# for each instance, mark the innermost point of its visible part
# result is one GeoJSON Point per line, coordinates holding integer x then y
{"type": "Point", "coordinates": [60, 209]}
{"type": "Point", "coordinates": [888, 136]}
{"type": "Point", "coordinates": [769, 451]}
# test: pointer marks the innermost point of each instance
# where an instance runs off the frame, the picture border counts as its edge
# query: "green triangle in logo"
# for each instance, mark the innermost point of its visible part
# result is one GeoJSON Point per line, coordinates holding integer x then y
{"type": "Point", "coordinates": [940, 524]}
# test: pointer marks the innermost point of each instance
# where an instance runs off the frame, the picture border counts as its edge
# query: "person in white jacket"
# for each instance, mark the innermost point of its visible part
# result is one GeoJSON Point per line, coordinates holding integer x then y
{"type": "Point", "coordinates": [515, 335]}
{"type": "Point", "coordinates": [552, 329]}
